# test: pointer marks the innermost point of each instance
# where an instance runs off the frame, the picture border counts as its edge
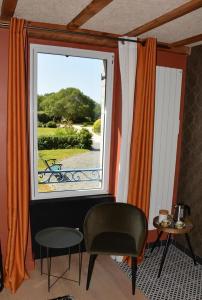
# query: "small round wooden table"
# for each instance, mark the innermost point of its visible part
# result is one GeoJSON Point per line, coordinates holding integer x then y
{"type": "Point", "coordinates": [172, 231]}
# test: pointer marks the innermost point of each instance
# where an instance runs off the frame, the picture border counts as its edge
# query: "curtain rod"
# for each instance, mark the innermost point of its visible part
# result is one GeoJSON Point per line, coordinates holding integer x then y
{"type": "Point", "coordinates": [6, 25]}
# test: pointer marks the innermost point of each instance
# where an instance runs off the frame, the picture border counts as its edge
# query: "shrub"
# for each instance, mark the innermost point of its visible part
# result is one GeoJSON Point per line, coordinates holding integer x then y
{"type": "Point", "coordinates": [51, 124]}
{"type": "Point", "coordinates": [43, 117]}
{"type": "Point", "coordinates": [85, 139]}
{"type": "Point", "coordinates": [40, 124]}
{"type": "Point", "coordinates": [97, 126]}
{"type": "Point", "coordinates": [82, 140]}
{"type": "Point", "coordinates": [70, 130]}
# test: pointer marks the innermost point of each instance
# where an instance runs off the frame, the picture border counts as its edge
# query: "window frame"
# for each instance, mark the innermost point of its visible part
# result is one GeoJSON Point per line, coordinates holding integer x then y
{"type": "Point", "coordinates": [58, 50]}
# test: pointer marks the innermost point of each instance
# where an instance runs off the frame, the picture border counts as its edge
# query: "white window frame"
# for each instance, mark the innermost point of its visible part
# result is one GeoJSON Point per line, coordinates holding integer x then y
{"type": "Point", "coordinates": [105, 152]}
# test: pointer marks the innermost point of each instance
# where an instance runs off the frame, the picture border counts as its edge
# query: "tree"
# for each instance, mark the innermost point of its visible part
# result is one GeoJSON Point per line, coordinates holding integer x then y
{"type": "Point", "coordinates": [70, 104]}
{"type": "Point", "coordinates": [97, 111]}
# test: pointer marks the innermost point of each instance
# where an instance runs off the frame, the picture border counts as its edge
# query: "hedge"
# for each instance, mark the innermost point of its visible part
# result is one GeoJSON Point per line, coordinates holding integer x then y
{"type": "Point", "coordinates": [82, 140]}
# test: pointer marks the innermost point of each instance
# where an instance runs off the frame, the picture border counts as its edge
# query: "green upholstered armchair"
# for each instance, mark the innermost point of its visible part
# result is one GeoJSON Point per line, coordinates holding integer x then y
{"type": "Point", "coordinates": [115, 229]}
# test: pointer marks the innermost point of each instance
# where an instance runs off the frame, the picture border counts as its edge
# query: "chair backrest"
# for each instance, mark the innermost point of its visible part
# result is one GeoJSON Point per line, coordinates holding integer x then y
{"type": "Point", "coordinates": [116, 217]}
{"type": "Point", "coordinates": [46, 162]}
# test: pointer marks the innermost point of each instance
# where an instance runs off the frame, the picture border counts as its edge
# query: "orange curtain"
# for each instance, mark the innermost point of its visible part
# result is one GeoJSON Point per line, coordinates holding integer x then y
{"type": "Point", "coordinates": [143, 128]}
{"type": "Point", "coordinates": [17, 160]}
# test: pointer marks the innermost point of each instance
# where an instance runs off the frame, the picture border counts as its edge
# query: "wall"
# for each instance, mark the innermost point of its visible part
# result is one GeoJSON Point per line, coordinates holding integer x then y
{"type": "Point", "coordinates": [190, 180]}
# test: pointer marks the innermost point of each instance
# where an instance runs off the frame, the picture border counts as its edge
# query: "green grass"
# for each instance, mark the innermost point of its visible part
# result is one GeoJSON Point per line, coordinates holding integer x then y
{"type": "Point", "coordinates": [47, 131]}
{"type": "Point", "coordinates": [58, 154]}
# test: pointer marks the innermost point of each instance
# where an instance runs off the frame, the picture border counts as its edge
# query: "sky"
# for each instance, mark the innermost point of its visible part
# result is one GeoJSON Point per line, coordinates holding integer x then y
{"type": "Point", "coordinates": [56, 72]}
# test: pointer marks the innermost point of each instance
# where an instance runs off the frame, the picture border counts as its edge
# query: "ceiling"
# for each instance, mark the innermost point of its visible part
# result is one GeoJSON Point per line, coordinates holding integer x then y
{"type": "Point", "coordinates": [181, 28]}
{"type": "Point", "coordinates": [117, 17]}
{"type": "Point", "coordinates": [51, 11]}
{"type": "Point", "coordinates": [121, 16]}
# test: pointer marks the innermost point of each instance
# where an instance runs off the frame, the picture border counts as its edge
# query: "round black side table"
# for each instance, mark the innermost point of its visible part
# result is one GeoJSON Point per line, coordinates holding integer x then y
{"type": "Point", "coordinates": [59, 238]}
{"type": "Point", "coordinates": [172, 231]}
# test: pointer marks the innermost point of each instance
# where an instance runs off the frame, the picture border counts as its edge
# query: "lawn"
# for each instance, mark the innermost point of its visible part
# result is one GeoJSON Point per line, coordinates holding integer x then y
{"type": "Point", "coordinates": [58, 154]}
{"type": "Point", "coordinates": [48, 131]}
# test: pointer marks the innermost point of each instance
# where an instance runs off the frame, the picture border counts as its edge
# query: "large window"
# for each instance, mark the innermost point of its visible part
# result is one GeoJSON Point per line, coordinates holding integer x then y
{"type": "Point", "coordinates": [70, 115]}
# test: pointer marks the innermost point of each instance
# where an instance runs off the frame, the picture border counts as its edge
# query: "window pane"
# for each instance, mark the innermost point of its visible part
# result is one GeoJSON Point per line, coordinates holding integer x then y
{"type": "Point", "coordinates": [71, 122]}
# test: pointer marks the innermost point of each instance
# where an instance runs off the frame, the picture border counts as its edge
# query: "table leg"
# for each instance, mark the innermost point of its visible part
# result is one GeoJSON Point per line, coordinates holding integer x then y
{"type": "Point", "coordinates": [80, 263]}
{"type": "Point", "coordinates": [50, 259]}
{"type": "Point", "coordinates": [190, 248]}
{"type": "Point", "coordinates": [156, 242]}
{"type": "Point", "coordinates": [48, 267]}
{"type": "Point", "coordinates": [69, 259]}
{"type": "Point", "coordinates": [41, 261]}
{"type": "Point", "coordinates": [164, 254]}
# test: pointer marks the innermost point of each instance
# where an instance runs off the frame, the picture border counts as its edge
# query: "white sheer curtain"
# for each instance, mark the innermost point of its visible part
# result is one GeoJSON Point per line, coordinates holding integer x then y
{"type": "Point", "coordinates": [128, 62]}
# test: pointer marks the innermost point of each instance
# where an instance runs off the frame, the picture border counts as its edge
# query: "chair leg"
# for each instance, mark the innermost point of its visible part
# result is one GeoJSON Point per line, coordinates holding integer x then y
{"type": "Point", "coordinates": [134, 272]}
{"type": "Point", "coordinates": [90, 269]}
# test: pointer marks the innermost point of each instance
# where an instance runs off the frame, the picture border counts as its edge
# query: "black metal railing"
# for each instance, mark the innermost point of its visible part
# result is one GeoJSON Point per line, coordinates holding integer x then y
{"type": "Point", "coordinates": [69, 175]}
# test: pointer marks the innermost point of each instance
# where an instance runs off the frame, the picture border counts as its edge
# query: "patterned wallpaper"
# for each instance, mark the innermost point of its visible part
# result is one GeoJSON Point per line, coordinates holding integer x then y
{"type": "Point", "coordinates": [190, 180]}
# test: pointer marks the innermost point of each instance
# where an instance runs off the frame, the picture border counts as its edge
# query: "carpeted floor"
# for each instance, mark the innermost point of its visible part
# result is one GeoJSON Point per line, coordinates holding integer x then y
{"type": "Point", "coordinates": [180, 279]}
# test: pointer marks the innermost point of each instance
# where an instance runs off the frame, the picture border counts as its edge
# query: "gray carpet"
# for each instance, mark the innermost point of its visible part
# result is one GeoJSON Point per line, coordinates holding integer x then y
{"type": "Point", "coordinates": [179, 280]}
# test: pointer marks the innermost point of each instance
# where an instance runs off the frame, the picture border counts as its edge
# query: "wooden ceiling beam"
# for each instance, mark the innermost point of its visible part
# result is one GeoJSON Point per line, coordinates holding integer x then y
{"type": "Point", "coordinates": [169, 48]}
{"type": "Point", "coordinates": [179, 50]}
{"type": "Point", "coordinates": [88, 12]}
{"type": "Point", "coordinates": [76, 35]}
{"type": "Point", "coordinates": [8, 8]}
{"type": "Point", "coordinates": [187, 41]}
{"type": "Point", "coordinates": [39, 30]}
{"type": "Point", "coordinates": [63, 27]}
{"type": "Point", "coordinates": [169, 16]}
{"type": "Point", "coordinates": [72, 38]}
{"type": "Point", "coordinates": [96, 41]}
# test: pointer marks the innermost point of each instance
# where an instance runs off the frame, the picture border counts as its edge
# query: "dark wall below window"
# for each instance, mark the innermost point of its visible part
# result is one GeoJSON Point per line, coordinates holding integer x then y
{"type": "Point", "coordinates": [190, 179]}
{"type": "Point", "coordinates": [68, 212]}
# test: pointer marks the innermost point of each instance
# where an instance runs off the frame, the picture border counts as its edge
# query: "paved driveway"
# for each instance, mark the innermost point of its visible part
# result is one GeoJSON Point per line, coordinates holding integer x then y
{"type": "Point", "coordinates": [87, 160]}
{"type": "Point", "coordinates": [90, 159]}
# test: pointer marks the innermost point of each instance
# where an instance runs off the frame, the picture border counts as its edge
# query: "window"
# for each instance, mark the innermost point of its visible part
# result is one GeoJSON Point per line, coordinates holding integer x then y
{"type": "Point", "coordinates": [70, 121]}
